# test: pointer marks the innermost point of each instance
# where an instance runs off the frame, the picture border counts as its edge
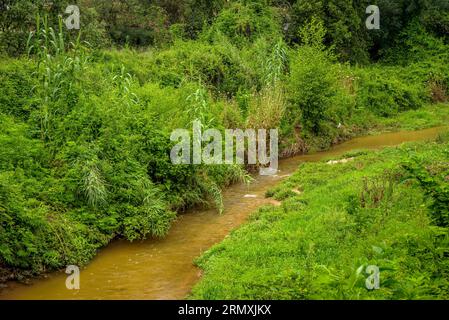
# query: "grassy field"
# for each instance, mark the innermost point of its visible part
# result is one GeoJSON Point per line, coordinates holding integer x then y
{"type": "Point", "coordinates": [387, 209]}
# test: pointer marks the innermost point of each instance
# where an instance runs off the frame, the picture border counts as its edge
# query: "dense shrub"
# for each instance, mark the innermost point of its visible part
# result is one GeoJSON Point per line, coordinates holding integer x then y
{"type": "Point", "coordinates": [385, 92]}
{"type": "Point", "coordinates": [319, 90]}
{"type": "Point", "coordinates": [312, 87]}
{"type": "Point", "coordinates": [342, 21]}
{"type": "Point", "coordinates": [85, 157]}
{"type": "Point", "coordinates": [16, 83]}
{"type": "Point", "coordinates": [414, 44]}
{"type": "Point", "coordinates": [218, 67]}
{"type": "Point", "coordinates": [140, 23]}
{"type": "Point", "coordinates": [244, 22]}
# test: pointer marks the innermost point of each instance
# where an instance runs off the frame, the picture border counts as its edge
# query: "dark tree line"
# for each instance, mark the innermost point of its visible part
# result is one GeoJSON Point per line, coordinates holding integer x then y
{"type": "Point", "coordinates": [156, 22]}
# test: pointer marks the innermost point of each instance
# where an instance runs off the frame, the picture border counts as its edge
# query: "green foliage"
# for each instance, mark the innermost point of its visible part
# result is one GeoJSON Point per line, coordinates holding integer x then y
{"type": "Point", "coordinates": [91, 157]}
{"type": "Point", "coordinates": [399, 15]}
{"type": "Point", "coordinates": [276, 64]}
{"type": "Point", "coordinates": [311, 87]}
{"type": "Point", "coordinates": [17, 18]}
{"type": "Point", "coordinates": [218, 67]}
{"type": "Point", "coordinates": [414, 44]}
{"type": "Point", "coordinates": [342, 21]}
{"type": "Point", "coordinates": [435, 181]}
{"type": "Point", "coordinates": [15, 90]}
{"type": "Point", "coordinates": [387, 91]}
{"type": "Point", "coordinates": [158, 23]}
{"type": "Point", "coordinates": [243, 23]}
{"type": "Point", "coordinates": [316, 86]}
{"type": "Point", "coordinates": [57, 73]}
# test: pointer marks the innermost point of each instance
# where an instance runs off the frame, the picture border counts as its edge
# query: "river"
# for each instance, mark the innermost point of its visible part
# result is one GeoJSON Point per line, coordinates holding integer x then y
{"type": "Point", "coordinates": [163, 268]}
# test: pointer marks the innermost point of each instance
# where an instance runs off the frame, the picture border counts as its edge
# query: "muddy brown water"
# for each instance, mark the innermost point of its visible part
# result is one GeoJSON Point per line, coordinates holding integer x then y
{"type": "Point", "coordinates": [164, 269]}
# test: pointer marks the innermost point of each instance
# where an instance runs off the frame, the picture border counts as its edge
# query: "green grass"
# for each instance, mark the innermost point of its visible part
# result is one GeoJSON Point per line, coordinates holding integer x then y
{"type": "Point", "coordinates": [430, 116]}
{"type": "Point", "coordinates": [317, 245]}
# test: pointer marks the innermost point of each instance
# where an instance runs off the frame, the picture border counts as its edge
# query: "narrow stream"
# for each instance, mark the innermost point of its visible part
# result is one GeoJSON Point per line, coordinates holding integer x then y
{"type": "Point", "coordinates": [163, 269]}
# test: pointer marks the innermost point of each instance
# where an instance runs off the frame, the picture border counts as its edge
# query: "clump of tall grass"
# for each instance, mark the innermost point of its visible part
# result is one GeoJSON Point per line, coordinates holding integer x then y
{"type": "Point", "coordinates": [152, 216]}
{"type": "Point", "coordinates": [238, 174]}
{"type": "Point", "coordinates": [266, 108]}
{"type": "Point", "coordinates": [94, 186]}
{"type": "Point", "coordinates": [439, 91]}
{"type": "Point", "coordinates": [276, 64]}
{"type": "Point", "coordinates": [123, 80]}
{"type": "Point", "coordinates": [58, 67]}
{"type": "Point", "coordinates": [217, 196]}
{"type": "Point", "coordinates": [198, 108]}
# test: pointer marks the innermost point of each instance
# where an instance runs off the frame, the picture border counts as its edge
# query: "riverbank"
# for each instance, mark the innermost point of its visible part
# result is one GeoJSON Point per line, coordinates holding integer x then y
{"type": "Point", "coordinates": [432, 115]}
{"type": "Point", "coordinates": [386, 209]}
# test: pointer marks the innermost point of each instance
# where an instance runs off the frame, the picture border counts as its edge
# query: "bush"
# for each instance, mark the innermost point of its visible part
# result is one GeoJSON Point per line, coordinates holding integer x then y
{"type": "Point", "coordinates": [312, 87]}
{"type": "Point", "coordinates": [219, 67]}
{"type": "Point", "coordinates": [243, 23]}
{"type": "Point", "coordinates": [385, 93]}
{"type": "Point", "coordinates": [16, 84]}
